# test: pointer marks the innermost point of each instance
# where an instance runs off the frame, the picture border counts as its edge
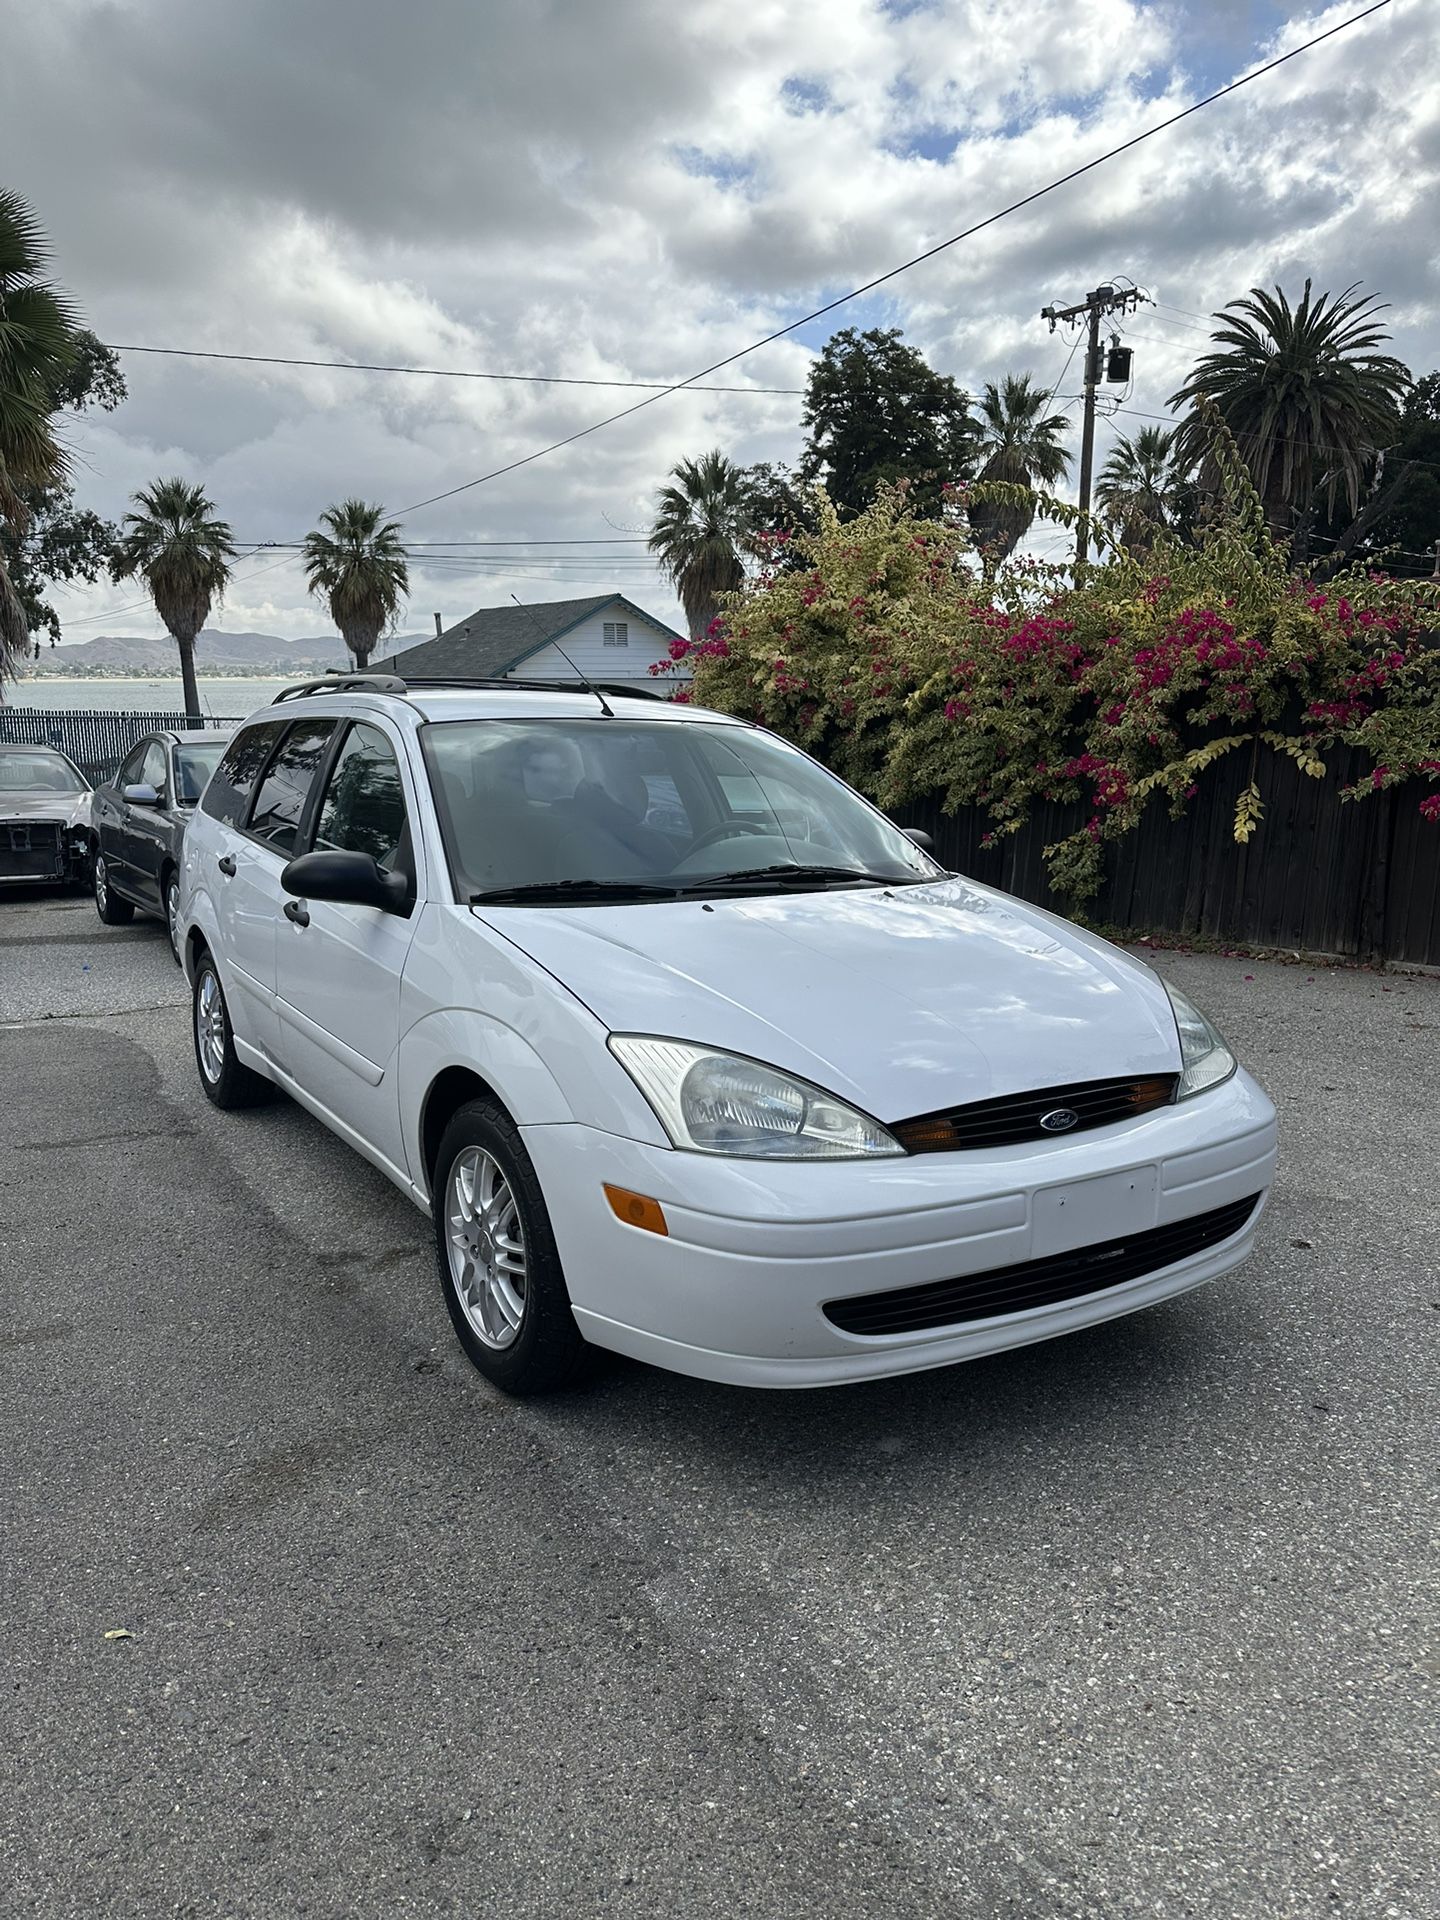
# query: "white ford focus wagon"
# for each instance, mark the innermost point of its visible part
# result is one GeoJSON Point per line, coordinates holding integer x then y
{"type": "Point", "coordinates": [687, 1050]}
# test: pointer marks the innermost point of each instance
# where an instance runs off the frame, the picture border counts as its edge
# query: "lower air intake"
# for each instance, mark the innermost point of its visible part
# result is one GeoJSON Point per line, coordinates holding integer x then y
{"type": "Point", "coordinates": [1039, 1283]}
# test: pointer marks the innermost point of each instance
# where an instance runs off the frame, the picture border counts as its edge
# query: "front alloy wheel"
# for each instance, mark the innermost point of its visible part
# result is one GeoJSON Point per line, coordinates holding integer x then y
{"type": "Point", "coordinates": [495, 1250]}
{"type": "Point", "coordinates": [114, 911]}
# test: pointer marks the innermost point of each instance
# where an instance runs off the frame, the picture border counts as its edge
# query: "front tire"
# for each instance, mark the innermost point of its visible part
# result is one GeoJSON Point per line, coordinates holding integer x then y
{"type": "Point", "coordinates": [114, 911]}
{"type": "Point", "coordinates": [227, 1083]}
{"type": "Point", "coordinates": [500, 1272]}
{"type": "Point", "coordinates": [170, 896]}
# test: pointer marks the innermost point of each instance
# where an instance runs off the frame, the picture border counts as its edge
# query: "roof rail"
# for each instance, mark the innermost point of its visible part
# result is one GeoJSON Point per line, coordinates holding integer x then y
{"type": "Point", "coordinates": [519, 685]}
{"type": "Point", "coordinates": [342, 683]}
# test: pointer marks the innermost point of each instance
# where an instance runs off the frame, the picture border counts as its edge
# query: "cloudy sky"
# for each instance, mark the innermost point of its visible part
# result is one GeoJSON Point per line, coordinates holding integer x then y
{"type": "Point", "coordinates": [624, 190]}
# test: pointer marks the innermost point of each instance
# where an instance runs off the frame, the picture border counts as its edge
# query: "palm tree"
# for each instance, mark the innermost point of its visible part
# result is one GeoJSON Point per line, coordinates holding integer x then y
{"type": "Point", "coordinates": [1304, 392]}
{"type": "Point", "coordinates": [357, 563]}
{"type": "Point", "coordinates": [1018, 443]}
{"type": "Point", "coordinates": [1142, 486]}
{"type": "Point", "coordinates": [183, 554]}
{"type": "Point", "coordinates": [701, 525]}
{"type": "Point", "coordinates": [37, 345]}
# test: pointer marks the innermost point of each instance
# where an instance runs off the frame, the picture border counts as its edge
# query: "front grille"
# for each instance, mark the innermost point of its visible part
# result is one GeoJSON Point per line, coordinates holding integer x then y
{"type": "Point", "coordinates": [1015, 1117]}
{"type": "Point", "coordinates": [30, 849]}
{"type": "Point", "coordinates": [1039, 1283]}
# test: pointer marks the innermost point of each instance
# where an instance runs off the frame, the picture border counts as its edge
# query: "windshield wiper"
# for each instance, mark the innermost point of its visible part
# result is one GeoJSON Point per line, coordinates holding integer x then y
{"type": "Point", "coordinates": [557, 892]}
{"type": "Point", "coordinates": [792, 874]}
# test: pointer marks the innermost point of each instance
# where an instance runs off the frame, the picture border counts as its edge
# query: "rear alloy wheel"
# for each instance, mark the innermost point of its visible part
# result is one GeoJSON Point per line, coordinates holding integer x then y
{"type": "Point", "coordinates": [226, 1081]}
{"type": "Point", "coordinates": [500, 1272]}
{"type": "Point", "coordinates": [170, 888]}
{"type": "Point", "coordinates": [114, 911]}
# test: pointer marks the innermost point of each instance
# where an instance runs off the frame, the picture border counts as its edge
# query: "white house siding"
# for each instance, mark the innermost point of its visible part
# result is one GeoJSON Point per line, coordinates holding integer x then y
{"type": "Point", "coordinates": [586, 647]}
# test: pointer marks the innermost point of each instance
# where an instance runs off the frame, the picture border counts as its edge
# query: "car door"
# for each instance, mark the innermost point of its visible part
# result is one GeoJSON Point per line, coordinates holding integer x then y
{"type": "Point", "coordinates": [146, 830]}
{"type": "Point", "coordinates": [110, 817]}
{"type": "Point", "coordinates": [248, 892]}
{"type": "Point", "coordinates": [338, 967]}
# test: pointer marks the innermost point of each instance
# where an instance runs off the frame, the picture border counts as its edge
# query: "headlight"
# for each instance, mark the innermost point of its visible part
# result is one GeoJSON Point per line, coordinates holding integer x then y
{"type": "Point", "coordinates": [1205, 1060]}
{"type": "Point", "coordinates": [711, 1102]}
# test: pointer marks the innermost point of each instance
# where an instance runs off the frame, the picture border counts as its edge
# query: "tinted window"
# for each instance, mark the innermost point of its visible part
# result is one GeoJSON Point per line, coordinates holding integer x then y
{"type": "Point", "coordinates": [275, 816]}
{"type": "Point", "coordinates": [193, 767]}
{"type": "Point", "coordinates": [229, 792]}
{"type": "Point", "coordinates": [364, 806]}
{"type": "Point", "coordinates": [153, 770]}
{"type": "Point", "coordinates": [130, 767]}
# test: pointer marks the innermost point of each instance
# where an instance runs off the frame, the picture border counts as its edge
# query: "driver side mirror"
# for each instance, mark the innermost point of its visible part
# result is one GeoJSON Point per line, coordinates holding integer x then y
{"type": "Point", "coordinates": [350, 879]}
{"type": "Point", "coordinates": [921, 838]}
{"type": "Point", "coordinates": [140, 793]}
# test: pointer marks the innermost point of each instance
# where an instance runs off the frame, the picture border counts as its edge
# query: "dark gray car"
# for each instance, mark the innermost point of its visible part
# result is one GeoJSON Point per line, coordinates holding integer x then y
{"type": "Point", "coordinates": [138, 817]}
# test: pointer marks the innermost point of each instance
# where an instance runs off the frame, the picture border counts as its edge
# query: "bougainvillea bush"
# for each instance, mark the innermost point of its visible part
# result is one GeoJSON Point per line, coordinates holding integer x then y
{"type": "Point", "coordinates": [892, 656]}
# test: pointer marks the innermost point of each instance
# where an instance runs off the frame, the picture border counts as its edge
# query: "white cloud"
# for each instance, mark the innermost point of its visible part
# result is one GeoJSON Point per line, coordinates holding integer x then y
{"type": "Point", "coordinates": [632, 191]}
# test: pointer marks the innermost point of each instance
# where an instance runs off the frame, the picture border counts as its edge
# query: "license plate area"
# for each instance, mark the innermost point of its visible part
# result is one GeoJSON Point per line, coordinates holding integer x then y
{"type": "Point", "coordinates": [1086, 1212]}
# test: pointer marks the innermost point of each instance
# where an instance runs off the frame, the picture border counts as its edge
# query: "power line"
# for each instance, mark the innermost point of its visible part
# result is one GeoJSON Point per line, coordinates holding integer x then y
{"type": "Point", "coordinates": [439, 373]}
{"type": "Point", "coordinates": [892, 273]}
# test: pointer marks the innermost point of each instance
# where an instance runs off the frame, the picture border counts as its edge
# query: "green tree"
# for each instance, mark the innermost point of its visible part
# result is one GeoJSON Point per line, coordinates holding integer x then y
{"type": "Point", "coordinates": [702, 530]}
{"type": "Point", "coordinates": [1413, 525]}
{"type": "Point", "coordinates": [1018, 445]}
{"type": "Point", "coordinates": [780, 508]}
{"type": "Point", "coordinates": [1143, 487]}
{"type": "Point", "coordinates": [183, 554]}
{"type": "Point", "coordinates": [355, 560]}
{"type": "Point", "coordinates": [56, 540]}
{"type": "Point", "coordinates": [1304, 392]}
{"type": "Point", "coordinates": [877, 411]}
{"type": "Point", "coordinates": [38, 327]}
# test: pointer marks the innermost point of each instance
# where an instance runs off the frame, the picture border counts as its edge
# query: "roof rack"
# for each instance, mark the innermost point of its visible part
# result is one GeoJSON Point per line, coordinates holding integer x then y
{"type": "Point", "coordinates": [342, 683]}
{"type": "Point", "coordinates": [393, 684]}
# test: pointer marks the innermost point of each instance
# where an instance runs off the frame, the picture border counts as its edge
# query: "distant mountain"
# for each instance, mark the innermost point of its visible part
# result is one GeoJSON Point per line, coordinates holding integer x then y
{"type": "Point", "coordinates": [260, 653]}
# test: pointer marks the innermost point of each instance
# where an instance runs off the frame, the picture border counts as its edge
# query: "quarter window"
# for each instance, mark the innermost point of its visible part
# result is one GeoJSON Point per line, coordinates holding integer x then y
{"type": "Point", "coordinates": [228, 794]}
{"type": "Point", "coordinates": [275, 816]}
{"type": "Point", "coordinates": [363, 810]}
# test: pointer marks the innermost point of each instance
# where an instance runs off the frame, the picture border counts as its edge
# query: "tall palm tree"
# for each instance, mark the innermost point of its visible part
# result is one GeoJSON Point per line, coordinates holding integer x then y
{"type": "Point", "coordinates": [355, 559]}
{"type": "Point", "coordinates": [1017, 442]}
{"type": "Point", "coordinates": [1142, 486]}
{"type": "Point", "coordinates": [37, 346]}
{"type": "Point", "coordinates": [700, 530]}
{"type": "Point", "coordinates": [183, 554]}
{"type": "Point", "coordinates": [1304, 392]}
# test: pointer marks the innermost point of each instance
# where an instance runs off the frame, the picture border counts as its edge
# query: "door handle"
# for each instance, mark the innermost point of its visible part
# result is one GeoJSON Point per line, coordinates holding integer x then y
{"type": "Point", "coordinates": [226, 863]}
{"type": "Point", "coordinates": [297, 911]}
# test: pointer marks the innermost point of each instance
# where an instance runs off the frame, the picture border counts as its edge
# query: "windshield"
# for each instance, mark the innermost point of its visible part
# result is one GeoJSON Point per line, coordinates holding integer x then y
{"type": "Point", "coordinates": [194, 766]}
{"type": "Point", "coordinates": [38, 773]}
{"type": "Point", "coordinates": [663, 805]}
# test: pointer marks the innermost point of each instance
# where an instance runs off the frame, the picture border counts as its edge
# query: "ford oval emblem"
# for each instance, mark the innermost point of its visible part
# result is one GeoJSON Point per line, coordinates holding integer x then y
{"type": "Point", "coordinates": [1058, 1120]}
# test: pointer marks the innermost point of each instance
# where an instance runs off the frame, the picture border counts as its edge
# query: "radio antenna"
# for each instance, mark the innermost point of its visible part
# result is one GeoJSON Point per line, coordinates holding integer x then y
{"type": "Point", "coordinates": [585, 681]}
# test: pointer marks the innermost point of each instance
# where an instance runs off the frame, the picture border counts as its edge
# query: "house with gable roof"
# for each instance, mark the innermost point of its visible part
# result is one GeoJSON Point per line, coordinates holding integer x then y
{"type": "Point", "coordinates": [606, 637]}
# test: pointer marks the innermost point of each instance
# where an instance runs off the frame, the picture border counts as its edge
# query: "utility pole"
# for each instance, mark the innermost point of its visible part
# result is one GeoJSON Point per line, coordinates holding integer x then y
{"type": "Point", "coordinates": [1115, 367]}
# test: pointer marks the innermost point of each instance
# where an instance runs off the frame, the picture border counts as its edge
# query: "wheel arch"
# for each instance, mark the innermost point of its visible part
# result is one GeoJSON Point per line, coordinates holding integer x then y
{"type": "Point", "coordinates": [452, 1088]}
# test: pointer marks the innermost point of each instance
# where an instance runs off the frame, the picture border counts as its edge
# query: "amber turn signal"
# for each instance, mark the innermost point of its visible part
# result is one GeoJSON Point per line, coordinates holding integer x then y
{"type": "Point", "coordinates": [635, 1210]}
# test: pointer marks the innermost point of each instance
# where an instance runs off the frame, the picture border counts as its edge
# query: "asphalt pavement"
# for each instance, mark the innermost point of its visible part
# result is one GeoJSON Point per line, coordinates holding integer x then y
{"type": "Point", "coordinates": [300, 1618]}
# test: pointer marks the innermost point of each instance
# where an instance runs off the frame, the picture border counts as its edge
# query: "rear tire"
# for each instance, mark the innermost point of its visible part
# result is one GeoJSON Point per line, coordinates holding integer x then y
{"type": "Point", "coordinates": [228, 1084]}
{"type": "Point", "coordinates": [500, 1272]}
{"type": "Point", "coordinates": [114, 911]}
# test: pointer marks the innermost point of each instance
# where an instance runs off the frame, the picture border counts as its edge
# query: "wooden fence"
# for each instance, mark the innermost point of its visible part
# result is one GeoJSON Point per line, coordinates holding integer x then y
{"type": "Point", "coordinates": [1359, 878]}
{"type": "Point", "coordinates": [97, 742]}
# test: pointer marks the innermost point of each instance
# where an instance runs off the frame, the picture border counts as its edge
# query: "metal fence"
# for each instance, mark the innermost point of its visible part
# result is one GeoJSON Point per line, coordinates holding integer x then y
{"type": "Point", "coordinates": [97, 742]}
{"type": "Point", "coordinates": [1359, 878]}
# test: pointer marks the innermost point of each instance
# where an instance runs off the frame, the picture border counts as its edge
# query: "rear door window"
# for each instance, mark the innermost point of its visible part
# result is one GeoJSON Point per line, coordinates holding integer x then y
{"type": "Point", "coordinates": [280, 802]}
{"type": "Point", "coordinates": [228, 794]}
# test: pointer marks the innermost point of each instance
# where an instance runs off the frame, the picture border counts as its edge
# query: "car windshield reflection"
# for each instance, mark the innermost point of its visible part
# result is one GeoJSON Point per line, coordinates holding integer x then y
{"type": "Point", "coordinates": [592, 807]}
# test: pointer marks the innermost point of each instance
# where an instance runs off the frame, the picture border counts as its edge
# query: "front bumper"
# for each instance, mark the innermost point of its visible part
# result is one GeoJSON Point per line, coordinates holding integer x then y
{"type": "Point", "coordinates": [737, 1290]}
{"type": "Point", "coordinates": [34, 850]}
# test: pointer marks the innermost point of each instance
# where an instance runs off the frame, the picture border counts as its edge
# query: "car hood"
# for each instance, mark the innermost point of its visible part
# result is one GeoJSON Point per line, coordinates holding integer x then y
{"type": "Point", "coordinates": [902, 1001]}
{"type": "Point", "coordinates": [72, 808]}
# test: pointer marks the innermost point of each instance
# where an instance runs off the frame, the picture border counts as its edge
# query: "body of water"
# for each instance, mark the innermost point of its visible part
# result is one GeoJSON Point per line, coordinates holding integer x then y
{"type": "Point", "coordinates": [226, 699]}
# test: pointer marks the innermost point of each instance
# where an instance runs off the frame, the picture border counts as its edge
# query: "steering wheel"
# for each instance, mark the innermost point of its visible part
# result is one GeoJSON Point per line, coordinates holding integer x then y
{"type": "Point", "coordinates": [727, 830]}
